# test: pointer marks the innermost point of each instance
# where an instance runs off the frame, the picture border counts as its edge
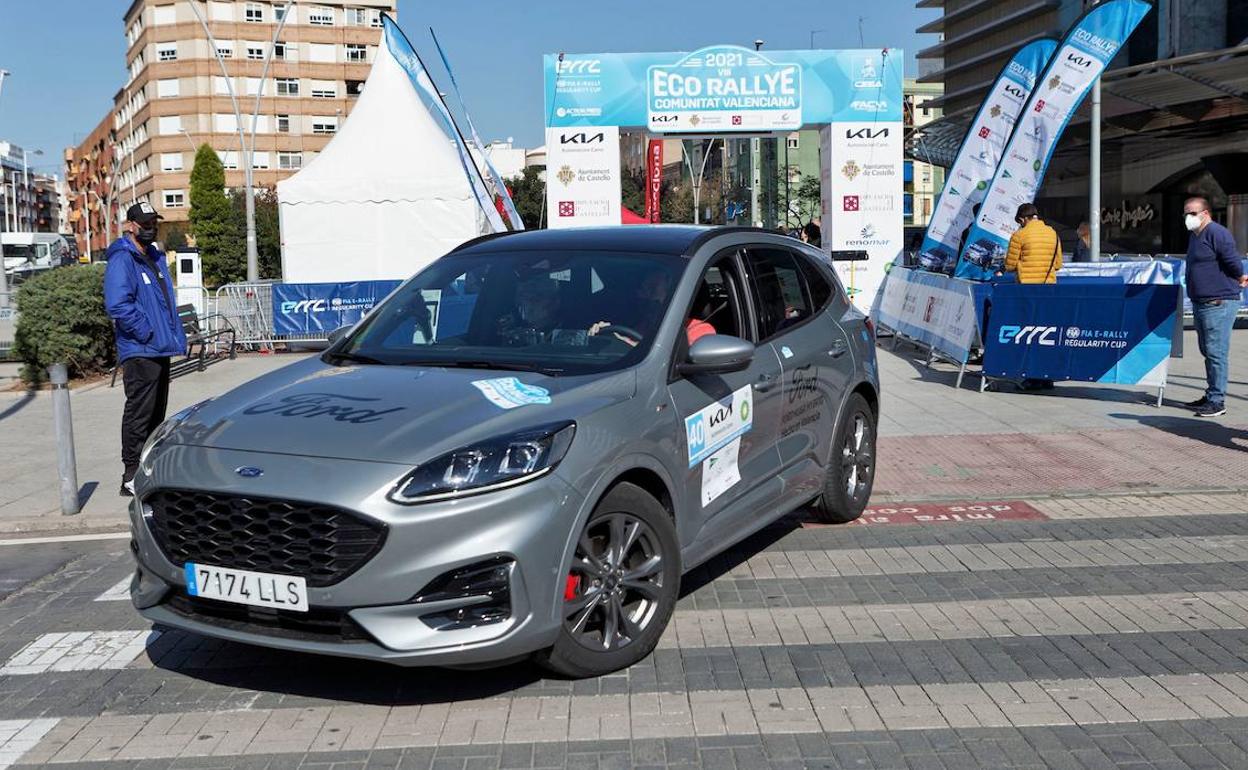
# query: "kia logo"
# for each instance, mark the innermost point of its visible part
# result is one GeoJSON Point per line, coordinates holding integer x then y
{"type": "Point", "coordinates": [582, 138]}
{"type": "Point", "coordinates": [1016, 91]}
{"type": "Point", "coordinates": [1079, 60]}
{"type": "Point", "coordinates": [866, 133]}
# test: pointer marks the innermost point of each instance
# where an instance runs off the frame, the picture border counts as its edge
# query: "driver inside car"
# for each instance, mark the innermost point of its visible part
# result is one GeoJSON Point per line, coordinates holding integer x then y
{"type": "Point", "coordinates": [537, 316]}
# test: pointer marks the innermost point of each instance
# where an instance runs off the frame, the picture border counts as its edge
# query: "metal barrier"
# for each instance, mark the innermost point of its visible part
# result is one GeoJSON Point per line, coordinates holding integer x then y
{"type": "Point", "coordinates": [248, 307]}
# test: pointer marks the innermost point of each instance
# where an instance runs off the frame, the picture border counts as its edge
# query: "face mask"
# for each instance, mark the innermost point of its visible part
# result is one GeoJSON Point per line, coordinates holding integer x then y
{"type": "Point", "coordinates": [1192, 222]}
{"type": "Point", "coordinates": [145, 236]}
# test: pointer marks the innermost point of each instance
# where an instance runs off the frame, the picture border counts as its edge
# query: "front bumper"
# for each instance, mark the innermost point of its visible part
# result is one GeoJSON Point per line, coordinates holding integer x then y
{"type": "Point", "coordinates": [530, 525]}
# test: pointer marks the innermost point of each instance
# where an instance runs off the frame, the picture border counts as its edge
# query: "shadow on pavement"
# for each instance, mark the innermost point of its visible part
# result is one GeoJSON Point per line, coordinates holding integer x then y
{"type": "Point", "coordinates": [1209, 432]}
{"type": "Point", "coordinates": [243, 666]}
{"type": "Point", "coordinates": [85, 492]}
{"type": "Point", "coordinates": [18, 405]}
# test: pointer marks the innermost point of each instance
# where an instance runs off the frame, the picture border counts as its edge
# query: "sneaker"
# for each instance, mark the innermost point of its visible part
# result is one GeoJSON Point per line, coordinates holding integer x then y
{"type": "Point", "coordinates": [1198, 403]}
{"type": "Point", "coordinates": [127, 488]}
{"type": "Point", "coordinates": [1211, 410]}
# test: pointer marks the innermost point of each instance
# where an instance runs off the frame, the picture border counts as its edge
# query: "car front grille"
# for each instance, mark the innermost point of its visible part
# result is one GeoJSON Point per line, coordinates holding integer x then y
{"type": "Point", "coordinates": [320, 543]}
{"type": "Point", "coordinates": [318, 624]}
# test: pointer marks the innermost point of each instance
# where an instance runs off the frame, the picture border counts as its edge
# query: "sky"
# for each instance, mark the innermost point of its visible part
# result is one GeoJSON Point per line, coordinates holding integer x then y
{"type": "Point", "coordinates": [67, 56]}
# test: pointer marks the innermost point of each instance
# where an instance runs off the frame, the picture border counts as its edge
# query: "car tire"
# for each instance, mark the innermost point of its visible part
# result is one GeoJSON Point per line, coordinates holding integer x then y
{"type": "Point", "coordinates": [597, 590]}
{"type": "Point", "coordinates": [851, 466]}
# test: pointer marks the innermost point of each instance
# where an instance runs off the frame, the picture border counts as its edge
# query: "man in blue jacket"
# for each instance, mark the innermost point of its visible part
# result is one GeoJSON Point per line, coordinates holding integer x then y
{"type": "Point", "coordinates": [139, 297]}
{"type": "Point", "coordinates": [1215, 281]}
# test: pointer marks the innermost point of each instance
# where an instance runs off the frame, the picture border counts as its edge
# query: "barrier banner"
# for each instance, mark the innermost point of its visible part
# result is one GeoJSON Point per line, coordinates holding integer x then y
{"type": "Point", "coordinates": [966, 184]}
{"type": "Point", "coordinates": [930, 308]}
{"type": "Point", "coordinates": [309, 308]}
{"type": "Point", "coordinates": [1085, 52]}
{"type": "Point", "coordinates": [583, 176]}
{"type": "Point", "coordinates": [1105, 332]}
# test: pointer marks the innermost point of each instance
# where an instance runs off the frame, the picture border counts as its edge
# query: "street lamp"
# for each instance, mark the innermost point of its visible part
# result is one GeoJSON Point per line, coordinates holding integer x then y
{"type": "Point", "coordinates": [253, 259]}
{"type": "Point", "coordinates": [758, 44]}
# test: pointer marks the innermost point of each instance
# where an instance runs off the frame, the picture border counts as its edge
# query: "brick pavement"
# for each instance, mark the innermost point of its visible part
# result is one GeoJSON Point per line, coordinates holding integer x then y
{"type": "Point", "coordinates": [1113, 633]}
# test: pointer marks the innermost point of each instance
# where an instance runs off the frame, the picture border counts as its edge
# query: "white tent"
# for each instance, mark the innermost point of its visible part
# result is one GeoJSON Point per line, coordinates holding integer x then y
{"type": "Point", "coordinates": [387, 196]}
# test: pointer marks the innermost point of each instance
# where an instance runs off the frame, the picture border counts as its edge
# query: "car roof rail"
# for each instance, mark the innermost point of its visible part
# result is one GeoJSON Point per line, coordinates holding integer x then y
{"type": "Point", "coordinates": [482, 239]}
{"type": "Point", "coordinates": [718, 230]}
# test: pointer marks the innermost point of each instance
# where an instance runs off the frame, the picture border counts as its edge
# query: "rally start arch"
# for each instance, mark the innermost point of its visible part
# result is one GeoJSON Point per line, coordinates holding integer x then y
{"type": "Point", "coordinates": [852, 97]}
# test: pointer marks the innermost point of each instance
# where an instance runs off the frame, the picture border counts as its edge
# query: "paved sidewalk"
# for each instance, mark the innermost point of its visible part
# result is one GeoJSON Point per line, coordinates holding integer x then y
{"type": "Point", "coordinates": [29, 496]}
{"type": "Point", "coordinates": [937, 442]}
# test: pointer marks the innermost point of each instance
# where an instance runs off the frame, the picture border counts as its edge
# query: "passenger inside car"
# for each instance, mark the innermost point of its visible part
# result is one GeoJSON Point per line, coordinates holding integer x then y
{"type": "Point", "coordinates": [650, 303]}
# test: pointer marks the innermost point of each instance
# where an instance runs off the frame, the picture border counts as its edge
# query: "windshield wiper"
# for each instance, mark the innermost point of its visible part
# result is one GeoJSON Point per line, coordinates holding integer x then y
{"type": "Point", "coordinates": [354, 358]}
{"type": "Point", "coordinates": [514, 366]}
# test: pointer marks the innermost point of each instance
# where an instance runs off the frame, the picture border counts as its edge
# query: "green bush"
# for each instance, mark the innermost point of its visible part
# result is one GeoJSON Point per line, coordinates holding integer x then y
{"type": "Point", "coordinates": [61, 318]}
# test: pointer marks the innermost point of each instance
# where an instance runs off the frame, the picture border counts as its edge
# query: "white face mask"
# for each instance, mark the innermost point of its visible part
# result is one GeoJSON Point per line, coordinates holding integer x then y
{"type": "Point", "coordinates": [1192, 222]}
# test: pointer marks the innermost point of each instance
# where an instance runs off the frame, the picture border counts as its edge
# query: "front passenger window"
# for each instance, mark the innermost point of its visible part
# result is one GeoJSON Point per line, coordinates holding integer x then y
{"type": "Point", "coordinates": [780, 290]}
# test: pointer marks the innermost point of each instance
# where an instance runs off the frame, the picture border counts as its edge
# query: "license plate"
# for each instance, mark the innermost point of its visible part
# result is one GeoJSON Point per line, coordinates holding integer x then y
{"type": "Point", "coordinates": [259, 589]}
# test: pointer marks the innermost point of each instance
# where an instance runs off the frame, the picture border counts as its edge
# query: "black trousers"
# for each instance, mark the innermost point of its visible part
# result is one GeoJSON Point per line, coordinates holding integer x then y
{"type": "Point", "coordinates": [146, 382]}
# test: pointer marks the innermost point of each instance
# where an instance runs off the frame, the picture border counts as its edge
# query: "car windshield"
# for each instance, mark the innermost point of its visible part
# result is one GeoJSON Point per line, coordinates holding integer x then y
{"type": "Point", "coordinates": [560, 313]}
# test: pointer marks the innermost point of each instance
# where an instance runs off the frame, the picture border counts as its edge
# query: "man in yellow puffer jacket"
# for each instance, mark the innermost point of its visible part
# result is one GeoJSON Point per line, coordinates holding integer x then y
{"type": "Point", "coordinates": [1035, 253]}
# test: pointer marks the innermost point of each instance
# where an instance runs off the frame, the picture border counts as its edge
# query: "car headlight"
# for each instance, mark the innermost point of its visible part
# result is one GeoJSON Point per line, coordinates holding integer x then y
{"type": "Point", "coordinates": [489, 465]}
{"type": "Point", "coordinates": [165, 428]}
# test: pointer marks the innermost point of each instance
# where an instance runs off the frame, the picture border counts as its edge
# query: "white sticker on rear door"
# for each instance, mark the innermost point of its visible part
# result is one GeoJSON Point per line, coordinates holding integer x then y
{"type": "Point", "coordinates": [711, 428]}
{"type": "Point", "coordinates": [720, 472]}
{"type": "Point", "coordinates": [509, 392]}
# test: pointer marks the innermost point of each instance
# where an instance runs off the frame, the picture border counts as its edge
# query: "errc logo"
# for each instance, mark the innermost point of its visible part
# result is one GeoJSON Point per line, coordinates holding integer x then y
{"type": "Point", "coordinates": [304, 306]}
{"type": "Point", "coordinates": [1027, 335]}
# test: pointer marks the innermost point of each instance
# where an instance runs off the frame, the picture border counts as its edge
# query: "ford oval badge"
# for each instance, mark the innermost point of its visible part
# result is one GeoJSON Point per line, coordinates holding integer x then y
{"type": "Point", "coordinates": [248, 472]}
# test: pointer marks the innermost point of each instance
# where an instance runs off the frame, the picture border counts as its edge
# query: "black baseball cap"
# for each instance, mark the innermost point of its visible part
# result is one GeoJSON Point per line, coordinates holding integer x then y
{"type": "Point", "coordinates": [142, 213]}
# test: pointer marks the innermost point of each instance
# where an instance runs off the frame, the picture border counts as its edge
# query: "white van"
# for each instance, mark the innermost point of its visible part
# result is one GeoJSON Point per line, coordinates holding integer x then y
{"type": "Point", "coordinates": [26, 253]}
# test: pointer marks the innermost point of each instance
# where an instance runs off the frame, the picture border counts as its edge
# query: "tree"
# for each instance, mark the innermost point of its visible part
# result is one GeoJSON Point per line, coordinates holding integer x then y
{"type": "Point", "coordinates": [805, 199]}
{"type": "Point", "coordinates": [677, 203]}
{"type": "Point", "coordinates": [222, 246]}
{"type": "Point", "coordinates": [528, 192]}
{"type": "Point", "coordinates": [633, 191]}
{"type": "Point", "coordinates": [268, 233]}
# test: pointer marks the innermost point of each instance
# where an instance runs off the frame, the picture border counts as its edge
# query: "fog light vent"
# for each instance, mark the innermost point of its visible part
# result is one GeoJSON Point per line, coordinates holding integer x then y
{"type": "Point", "coordinates": [466, 597]}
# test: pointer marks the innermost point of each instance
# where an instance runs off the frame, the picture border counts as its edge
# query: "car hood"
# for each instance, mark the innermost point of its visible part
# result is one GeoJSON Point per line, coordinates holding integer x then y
{"type": "Point", "coordinates": [396, 414]}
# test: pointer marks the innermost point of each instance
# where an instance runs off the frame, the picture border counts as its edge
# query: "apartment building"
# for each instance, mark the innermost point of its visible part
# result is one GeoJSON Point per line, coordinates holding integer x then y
{"type": "Point", "coordinates": [176, 96]}
{"type": "Point", "coordinates": [92, 207]}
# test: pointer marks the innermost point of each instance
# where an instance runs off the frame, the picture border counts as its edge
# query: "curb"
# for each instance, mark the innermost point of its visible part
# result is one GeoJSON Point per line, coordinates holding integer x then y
{"type": "Point", "coordinates": [68, 525]}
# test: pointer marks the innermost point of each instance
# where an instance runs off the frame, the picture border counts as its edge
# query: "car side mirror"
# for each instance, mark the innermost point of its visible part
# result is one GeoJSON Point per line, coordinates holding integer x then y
{"type": "Point", "coordinates": [338, 334]}
{"type": "Point", "coordinates": [717, 354]}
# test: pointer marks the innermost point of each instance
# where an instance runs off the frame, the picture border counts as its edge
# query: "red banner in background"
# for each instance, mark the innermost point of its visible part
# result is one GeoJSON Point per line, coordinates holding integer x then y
{"type": "Point", "coordinates": [654, 178]}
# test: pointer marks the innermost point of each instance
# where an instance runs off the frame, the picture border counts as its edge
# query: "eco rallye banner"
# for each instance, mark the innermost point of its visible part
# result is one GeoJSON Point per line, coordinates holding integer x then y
{"type": "Point", "coordinates": [308, 308]}
{"type": "Point", "coordinates": [723, 88]}
{"type": "Point", "coordinates": [1102, 332]}
{"type": "Point", "coordinates": [976, 162]}
{"type": "Point", "coordinates": [1085, 52]}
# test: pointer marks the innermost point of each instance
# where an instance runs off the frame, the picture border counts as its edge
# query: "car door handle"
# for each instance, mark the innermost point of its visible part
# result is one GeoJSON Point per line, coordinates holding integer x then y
{"type": "Point", "coordinates": [766, 382]}
{"type": "Point", "coordinates": [839, 348]}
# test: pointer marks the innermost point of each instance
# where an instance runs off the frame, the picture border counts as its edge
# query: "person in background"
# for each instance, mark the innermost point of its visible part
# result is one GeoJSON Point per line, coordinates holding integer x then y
{"type": "Point", "coordinates": [812, 234]}
{"type": "Point", "coordinates": [1215, 282]}
{"type": "Point", "coordinates": [1083, 243]}
{"type": "Point", "coordinates": [138, 296]}
{"type": "Point", "coordinates": [1035, 253]}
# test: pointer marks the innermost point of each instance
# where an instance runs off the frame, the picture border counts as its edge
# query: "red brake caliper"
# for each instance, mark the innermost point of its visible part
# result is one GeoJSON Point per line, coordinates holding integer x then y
{"type": "Point", "coordinates": [572, 587]}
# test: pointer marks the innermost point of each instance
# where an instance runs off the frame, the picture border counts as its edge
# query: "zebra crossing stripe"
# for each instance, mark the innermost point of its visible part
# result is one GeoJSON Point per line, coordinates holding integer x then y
{"type": "Point", "coordinates": [119, 592]}
{"type": "Point", "coordinates": [79, 651]}
{"type": "Point", "coordinates": [18, 736]}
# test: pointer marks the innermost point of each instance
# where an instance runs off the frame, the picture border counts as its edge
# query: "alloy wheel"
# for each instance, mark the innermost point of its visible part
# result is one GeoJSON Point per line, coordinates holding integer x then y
{"type": "Point", "coordinates": [614, 585]}
{"type": "Point", "coordinates": [857, 458]}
